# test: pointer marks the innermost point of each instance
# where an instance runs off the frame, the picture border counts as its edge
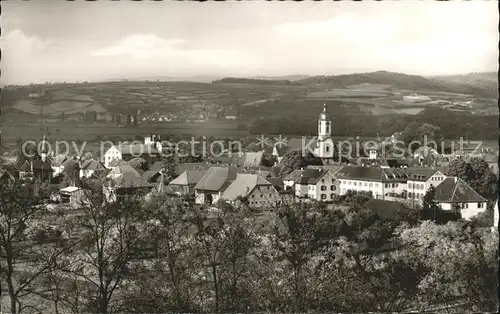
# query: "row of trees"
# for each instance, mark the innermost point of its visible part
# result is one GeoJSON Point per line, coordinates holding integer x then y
{"type": "Point", "coordinates": [162, 255]}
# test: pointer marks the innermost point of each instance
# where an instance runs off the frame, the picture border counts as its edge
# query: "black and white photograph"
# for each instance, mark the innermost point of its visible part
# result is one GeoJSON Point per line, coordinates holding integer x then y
{"type": "Point", "coordinates": [249, 157]}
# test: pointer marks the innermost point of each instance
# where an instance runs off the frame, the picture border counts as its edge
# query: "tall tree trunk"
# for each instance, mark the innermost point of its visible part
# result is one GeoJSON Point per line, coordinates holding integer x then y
{"type": "Point", "coordinates": [10, 283]}
{"type": "Point", "coordinates": [216, 286]}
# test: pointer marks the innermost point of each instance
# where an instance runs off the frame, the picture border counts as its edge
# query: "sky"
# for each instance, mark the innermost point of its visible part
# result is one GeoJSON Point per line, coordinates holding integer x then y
{"type": "Point", "coordinates": [90, 41]}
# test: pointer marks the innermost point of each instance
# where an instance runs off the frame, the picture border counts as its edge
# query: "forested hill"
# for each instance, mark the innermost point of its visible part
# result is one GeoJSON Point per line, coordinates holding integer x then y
{"type": "Point", "coordinates": [404, 81]}
{"type": "Point", "coordinates": [238, 80]}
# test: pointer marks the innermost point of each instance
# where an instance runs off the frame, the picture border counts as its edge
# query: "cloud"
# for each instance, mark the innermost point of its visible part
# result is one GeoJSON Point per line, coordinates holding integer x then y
{"type": "Point", "coordinates": [150, 49]}
{"type": "Point", "coordinates": [17, 44]}
{"type": "Point", "coordinates": [140, 46]}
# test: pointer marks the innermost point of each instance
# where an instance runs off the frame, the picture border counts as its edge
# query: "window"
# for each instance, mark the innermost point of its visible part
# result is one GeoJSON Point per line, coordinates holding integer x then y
{"type": "Point", "coordinates": [323, 188]}
{"type": "Point", "coordinates": [323, 196]}
{"type": "Point", "coordinates": [322, 180]}
{"type": "Point", "coordinates": [332, 187]}
{"type": "Point", "coordinates": [393, 185]}
{"type": "Point", "coordinates": [332, 196]}
{"type": "Point", "coordinates": [466, 205]}
{"type": "Point", "coordinates": [409, 185]}
{"type": "Point", "coordinates": [366, 184]}
{"type": "Point", "coordinates": [386, 185]}
{"type": "Point", "coordinates": [479, 205]}
{"type": "Point", "coordinates": [376, 185]}
{"type": "Point", "coordinates": [371, 184]}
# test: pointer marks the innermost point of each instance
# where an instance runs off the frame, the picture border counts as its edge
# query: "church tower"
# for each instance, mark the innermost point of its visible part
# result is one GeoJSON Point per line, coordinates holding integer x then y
{"type": "Point", "coordinates": [325, 143]}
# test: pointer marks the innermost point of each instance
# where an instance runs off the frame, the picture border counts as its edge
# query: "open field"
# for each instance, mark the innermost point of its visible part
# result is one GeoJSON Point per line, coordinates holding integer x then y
{"type": "Point", "coordinates": [346, 92]}
{"type": "Point", "coordinates": [58, 107]}
{"type": "Point", "coordinates": [90, 132]}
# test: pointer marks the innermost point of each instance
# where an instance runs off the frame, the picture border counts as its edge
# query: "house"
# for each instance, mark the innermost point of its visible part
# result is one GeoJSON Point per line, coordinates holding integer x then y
{"type": "Point", "coordinates": [90, 167]}
{"type": "Point", "coordinates": [287, 196]}
{"type": "Point", "coordinates": [279, 151]}
{"type": "Point", "coordinates": [253, 189]}
{"type": "Point", "coordinates": [290, 179]}
{"type": "Point", "coordinates": [384, 162]}
{"type": "Point", "coordinates": [122, 169]}
{"type": "Point", "coordinates": [6, 177]}
{"type": "Point", "coordinates": [26, 171]}
{"type": "Point", "coordinates": [42, 170]}
{"type": "Point", "coordinates": [126, 184]}
{"type": "Point", "coordinates": [73, 195]}
{"type": "Point", "coordinates": [184, 184]}
{"type": "Point", "coordinates": [455, 194]}
{"type": "Point", "coordinates": [148, 151]}
{"type": "Point", "coordinates": [253, 159]}
{"type": "Point", "coordinates": [213, 183]}
{"type": "Point", "coordinates": [317, 184]}
{"type": "Point", "coordinates": [56, 164]}
{"type": "Point", "coordinates": [382, 183]}
{"type": "Point", "coordinates": [71, 170]}
{"type": "Point", "coordinates": [420, 180]}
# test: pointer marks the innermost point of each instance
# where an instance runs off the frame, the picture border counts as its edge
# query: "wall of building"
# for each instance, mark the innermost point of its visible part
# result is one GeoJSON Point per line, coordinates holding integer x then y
{"type": "Point", "coordinates": [112, 154]}
{"type": "Point", "coordinates": [326, 189]}
{"type": "Point", "coordinates": [202, 196]}
{"type": "Point", "coordinates": [467, 210]}
{"type": "Point", "coordinates": [377, 188]}
{"type": "Point", "coordinates": [263, 196]}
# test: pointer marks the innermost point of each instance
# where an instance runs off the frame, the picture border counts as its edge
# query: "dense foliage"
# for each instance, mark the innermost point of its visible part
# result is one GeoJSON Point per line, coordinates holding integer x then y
{"type": "Point", "coordinates": [162, 255]}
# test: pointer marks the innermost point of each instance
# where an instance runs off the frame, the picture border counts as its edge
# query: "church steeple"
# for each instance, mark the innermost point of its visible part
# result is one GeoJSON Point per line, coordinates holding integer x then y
{"type": "Point", "coordinates": [324, 124]}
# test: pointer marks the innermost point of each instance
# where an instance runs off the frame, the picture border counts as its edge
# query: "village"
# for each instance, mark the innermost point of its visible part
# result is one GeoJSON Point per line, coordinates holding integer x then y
{"type": "Point", "coordinates": [243, 179]}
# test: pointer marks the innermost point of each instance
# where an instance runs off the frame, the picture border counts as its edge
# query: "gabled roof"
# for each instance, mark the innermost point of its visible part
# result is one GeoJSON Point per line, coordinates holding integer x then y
{"type": "Point", "coordinates": [69, 189]}
{"type": "Point", "coordinates": [455, 190]}
{"type": "Point", "coordinates": [294, 175]}
{"type": "Point", "coordinates": [281, 150]}
{"type": "Point", "coordinates": [117, 162]}
{"type": "Point", "coordinates": [40, 165]}
{"type": "Point", "coordinates": [253, 159]}
{"type": "Point", "coordinates": [265, 174]}
{"type": "Point", "coordinates": [26, 167]}
{"type": "Point", "coordinates": [93, 165]}
{"type": "Point", "coordinates": [151, 175]}
{"type": "Point", "coordinates": [277, 183]}
{"type": "Point", "coordinates": [361, 173]}
{"type": "Point", "coordinates": [71, 165]}
{"type": "Point", "coordinates": [311, 176]}
{"type": "Point", "coordinates": [216, 179]}
{"type": "Point", "coordinates": [243, 185]}
{"type": "Point", "coordinates": [123, 169]}
{"type": "Point", "coordinates": [332, 168]}
{"type": "Point", "coordinates": [58, 160]}
{"type": "Point", "coordinates": [6, 174]}
{"type": "Point", "coordinates": [188, 177]}
{"type": "Point", "coordinates": [180, 168]}
{"type": "Point", "coordinates": [421, 174]}
{"type": "Point", "coordinates": [136, 149]}
{"type": "Point", "coordinates": [129, 180]}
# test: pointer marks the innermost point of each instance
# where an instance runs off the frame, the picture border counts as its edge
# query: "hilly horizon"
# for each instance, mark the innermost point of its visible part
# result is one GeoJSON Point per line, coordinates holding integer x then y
{"type": "Point", "coordinates": [479, 84]}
